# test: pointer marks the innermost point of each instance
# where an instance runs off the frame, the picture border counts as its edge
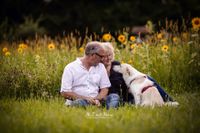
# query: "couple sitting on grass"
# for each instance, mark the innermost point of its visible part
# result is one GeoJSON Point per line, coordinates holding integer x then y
{"type": "Point", "coordinates": [91, 80]}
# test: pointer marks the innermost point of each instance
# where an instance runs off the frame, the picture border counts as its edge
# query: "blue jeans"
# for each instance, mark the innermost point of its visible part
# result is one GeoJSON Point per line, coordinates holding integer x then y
{"type": "Point", "coordinates": [164, 95]}
{"type": "Point", "coordinates": [112, 101]}
{"type": "Point", "coordinates": [80, 103]}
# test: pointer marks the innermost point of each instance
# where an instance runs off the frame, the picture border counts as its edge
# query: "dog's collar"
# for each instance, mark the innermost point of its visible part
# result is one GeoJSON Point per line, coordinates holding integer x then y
{"type": "Point", "coordinates": [136, 79]}
{"type": "Point", "coordinates": [145, 88]}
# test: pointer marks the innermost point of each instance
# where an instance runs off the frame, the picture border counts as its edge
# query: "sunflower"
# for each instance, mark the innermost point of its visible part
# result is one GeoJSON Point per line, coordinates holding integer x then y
{"type": "Point", "coordinates": [20, 50]}
{"type": "Point", "coordinates": [20, 45]}
{"type": "Point", "coordinates": [5, 50]}
{"type": "Point", "coordinates": [165, 48]}
{"type": "Point", "coordinates": [23, 46]}
{"type": "Point", "coordinates": [107, 37]}
{"type": "Point", "coordinates": [7, 53]}
{"type": "Point", "coordinates": [132, 38]}
{"type": "Point", "coordinates": [51, 46]}
{"type": "Point", "coordinates": [121, 38]}
{"type": "Point", "coordinates": [196, 23]}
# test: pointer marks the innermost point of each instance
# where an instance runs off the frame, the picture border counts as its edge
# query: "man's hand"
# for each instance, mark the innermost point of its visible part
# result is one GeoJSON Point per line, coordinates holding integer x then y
{"type": "Point", "coordinates": [90, 100]}
{"type": "Point", "coordinates": [97, 103]}
{"type": "Point", "coordinates": [93, 101]}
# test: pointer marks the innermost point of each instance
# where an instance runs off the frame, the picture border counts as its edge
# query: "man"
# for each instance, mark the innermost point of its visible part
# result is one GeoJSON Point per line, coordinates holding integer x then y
{"type": "Point", "coordinates": [82, 78]}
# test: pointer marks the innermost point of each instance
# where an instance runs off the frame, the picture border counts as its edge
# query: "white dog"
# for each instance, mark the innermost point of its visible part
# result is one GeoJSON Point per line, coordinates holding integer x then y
{"type": "Point", "coordinates": [143, 89]}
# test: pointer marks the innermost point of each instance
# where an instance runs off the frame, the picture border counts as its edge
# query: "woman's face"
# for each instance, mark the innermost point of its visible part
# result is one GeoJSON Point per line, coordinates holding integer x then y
{"type": "Point", "coordinates": [106, 60]}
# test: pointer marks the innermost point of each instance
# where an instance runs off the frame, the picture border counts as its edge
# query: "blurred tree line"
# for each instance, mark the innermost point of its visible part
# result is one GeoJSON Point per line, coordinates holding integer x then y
{"type": "Point", "coordinates": [21, 18]}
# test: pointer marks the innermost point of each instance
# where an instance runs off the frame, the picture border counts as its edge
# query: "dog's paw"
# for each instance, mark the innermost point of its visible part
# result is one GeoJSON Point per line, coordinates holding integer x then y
{"type": "Point", "coordinates": [174, 104]}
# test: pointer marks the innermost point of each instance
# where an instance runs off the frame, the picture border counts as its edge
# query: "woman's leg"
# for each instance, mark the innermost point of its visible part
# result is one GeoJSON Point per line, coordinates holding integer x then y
{"type": "Point", "coordinates": [131, 99]}
{"type": "Point", "coordinates": [164, 95]}
{"type": "Point", "coordinates": [112, 101]}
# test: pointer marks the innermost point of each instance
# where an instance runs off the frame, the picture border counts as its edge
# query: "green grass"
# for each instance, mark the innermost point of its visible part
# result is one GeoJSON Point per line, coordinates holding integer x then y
{"type": "Point", "coordinates": [37, 115]}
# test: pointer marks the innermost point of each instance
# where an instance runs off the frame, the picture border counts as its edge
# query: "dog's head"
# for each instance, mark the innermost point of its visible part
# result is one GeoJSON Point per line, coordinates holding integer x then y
{"type": "Point", "coordinates": [124, 68]}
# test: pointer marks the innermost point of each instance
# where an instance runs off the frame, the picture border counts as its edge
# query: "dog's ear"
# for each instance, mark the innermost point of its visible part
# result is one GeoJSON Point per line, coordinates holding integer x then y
{"type": "Point", "coordinates": [128, 71]}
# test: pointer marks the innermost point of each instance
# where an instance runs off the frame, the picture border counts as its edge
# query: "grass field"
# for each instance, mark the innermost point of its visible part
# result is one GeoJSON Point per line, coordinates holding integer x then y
{"type": "Point", "coordinates": [31, 116]}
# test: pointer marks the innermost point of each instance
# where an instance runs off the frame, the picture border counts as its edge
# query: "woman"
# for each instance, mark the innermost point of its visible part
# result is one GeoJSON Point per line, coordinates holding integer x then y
{"type": "Point", "coordinates": [118, 90]}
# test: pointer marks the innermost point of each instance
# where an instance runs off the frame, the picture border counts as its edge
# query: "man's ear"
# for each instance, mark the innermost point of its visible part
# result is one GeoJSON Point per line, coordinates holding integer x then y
{"type": "Point", "coordinates": [128, 71]}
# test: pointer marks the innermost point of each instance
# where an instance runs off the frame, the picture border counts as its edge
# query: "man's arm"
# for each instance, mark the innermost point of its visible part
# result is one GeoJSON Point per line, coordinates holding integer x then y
{"type": "Point", "coordinates": [102, 94]}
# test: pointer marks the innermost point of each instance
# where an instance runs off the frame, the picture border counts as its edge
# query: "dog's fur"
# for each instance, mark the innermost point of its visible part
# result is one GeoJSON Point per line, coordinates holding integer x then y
{"type": "Point", "coordinates": [137, 81]}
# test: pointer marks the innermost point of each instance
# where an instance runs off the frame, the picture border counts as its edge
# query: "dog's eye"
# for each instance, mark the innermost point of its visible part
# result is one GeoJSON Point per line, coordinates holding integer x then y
{"type": "Point", "coordinates": [128, 71]}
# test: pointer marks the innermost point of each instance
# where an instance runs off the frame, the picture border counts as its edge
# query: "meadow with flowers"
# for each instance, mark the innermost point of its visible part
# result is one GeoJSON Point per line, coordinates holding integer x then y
{"type": "Point", "coordinates": [31, 70]}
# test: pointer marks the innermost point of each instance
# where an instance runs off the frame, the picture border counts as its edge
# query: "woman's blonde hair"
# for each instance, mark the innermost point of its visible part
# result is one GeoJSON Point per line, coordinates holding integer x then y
{"type": "Point", "coordinates": [107, 46]}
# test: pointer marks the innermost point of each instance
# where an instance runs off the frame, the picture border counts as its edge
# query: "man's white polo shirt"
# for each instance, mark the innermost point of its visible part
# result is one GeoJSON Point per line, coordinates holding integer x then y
{"type": "Point", "coordinates": [78, 79]}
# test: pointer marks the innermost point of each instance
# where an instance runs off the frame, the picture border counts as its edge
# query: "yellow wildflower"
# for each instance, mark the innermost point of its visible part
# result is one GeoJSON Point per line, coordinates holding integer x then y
{"type": "Point", "coordinates": [51, 46]}
{"type": "Point", "coordinates": [107, 37]}
{"type": "Point", "coordinates": [122, 62]}
{"type": "Point", "coordinates": [175, 39]}
{"type": "Point", "coordinates": [159, 36]}
{"type": "Point", "coordinates": [132, 38]}
{"type": "Point", "coordinates": [163, 40]}
{"type": "Point", "coordinates": [196, 23]}
{"type": "Point", "coordinates": [5, 49]}
{"type": "Point", "coordinates": [7, 53]}
{"type": "Point", "coordinates": [185, 36]}
{"type": "Point", "coordinates": [62, 46]}
{"type": "Point", "coordinates": [165, 48]}
{"type": "Point", "coordinates": [37, 58]}
{"type": "Point", "coordinates": [133, 46]}
{"type": "Point", "coordinates": [139, 45]}
{"type": "Point", "coordinates": [130, 61]}
{"type": "Point", "coordinates": [121, 38]}
{"type": "Point", "coordinates": [124, 43]}
{"type": "Point", "coordinates": [81, 49]}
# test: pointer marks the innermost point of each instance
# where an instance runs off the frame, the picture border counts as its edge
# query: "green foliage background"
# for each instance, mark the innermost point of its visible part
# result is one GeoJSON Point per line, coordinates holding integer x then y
{"type": "Point", "coordinates": [55, 17]}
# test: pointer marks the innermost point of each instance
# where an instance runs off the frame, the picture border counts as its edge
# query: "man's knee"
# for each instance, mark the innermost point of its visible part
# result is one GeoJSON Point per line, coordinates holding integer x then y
{"type": "Point", "coordinates": [80, 103]}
